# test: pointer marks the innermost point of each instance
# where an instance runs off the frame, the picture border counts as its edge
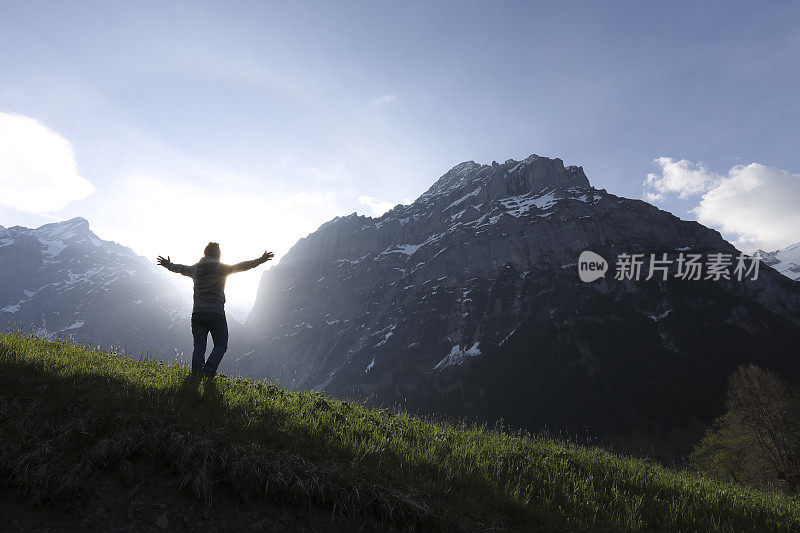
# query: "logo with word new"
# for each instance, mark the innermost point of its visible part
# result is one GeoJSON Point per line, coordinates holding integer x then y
{"type": "Point", "coordinates": [716, 266]}
{"type": "Point", "coordinates": [591, 266]}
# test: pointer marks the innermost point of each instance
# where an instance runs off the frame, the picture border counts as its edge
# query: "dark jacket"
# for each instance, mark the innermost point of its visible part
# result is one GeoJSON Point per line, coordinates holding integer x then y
{"type": "Point", "coordinates": [209, 281]}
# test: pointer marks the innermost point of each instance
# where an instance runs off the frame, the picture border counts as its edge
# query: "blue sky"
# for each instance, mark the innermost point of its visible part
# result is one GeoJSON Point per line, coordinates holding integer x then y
{"type": "Point", "coordinates": [253, 123]}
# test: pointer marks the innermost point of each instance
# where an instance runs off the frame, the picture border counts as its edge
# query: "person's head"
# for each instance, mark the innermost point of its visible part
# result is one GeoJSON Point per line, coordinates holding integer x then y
{"type": "Point", "coordinates": [212, 250]}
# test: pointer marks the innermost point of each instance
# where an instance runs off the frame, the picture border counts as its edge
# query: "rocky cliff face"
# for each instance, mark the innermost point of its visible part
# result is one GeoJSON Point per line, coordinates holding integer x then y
{"type": "Point", "coordinates": [468, 303]}
{"type": "Point", "coordinates": [61, 279]}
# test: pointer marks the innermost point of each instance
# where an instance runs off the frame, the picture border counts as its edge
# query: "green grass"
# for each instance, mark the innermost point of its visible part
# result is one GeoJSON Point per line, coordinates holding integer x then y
{"type": "Point", "coordinates": [66, 411]}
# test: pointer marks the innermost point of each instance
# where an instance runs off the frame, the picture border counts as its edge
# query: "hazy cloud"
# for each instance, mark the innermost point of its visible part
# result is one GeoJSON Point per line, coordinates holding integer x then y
{"type": "Point", "coordinates": [385, 99]}
{"type": "Point", "coordinates": [38, 172]}
{"type": "Point", "coordinates": [378, 206]}
{"type": "Point", "coordinates": [158, 213]}
{"type": "Point", "coordinates": [754, 203]}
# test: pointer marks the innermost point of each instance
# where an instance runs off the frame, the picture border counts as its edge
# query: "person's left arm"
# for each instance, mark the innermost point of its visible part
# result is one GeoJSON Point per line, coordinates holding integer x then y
{"type": "Point", "coordinates": [247, 265]}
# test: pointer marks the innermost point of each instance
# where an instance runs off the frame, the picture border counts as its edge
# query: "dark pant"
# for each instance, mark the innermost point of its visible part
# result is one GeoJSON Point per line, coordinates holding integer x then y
{"type": "Point", "coordinates": [202, 324]}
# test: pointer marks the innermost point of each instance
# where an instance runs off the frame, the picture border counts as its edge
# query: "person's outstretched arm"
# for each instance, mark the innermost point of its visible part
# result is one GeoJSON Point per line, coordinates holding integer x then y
{"type": "Point", "coordinates": [247, 265]}
{"type": "Point", "coordinates": [173, 267]}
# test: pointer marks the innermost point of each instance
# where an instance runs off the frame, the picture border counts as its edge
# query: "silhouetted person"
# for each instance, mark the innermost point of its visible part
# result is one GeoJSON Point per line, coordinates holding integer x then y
{"type": "Point", "coordinates": [208, 312]}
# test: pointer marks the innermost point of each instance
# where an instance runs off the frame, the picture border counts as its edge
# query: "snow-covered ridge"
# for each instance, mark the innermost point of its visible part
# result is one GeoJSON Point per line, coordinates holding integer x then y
{"type": "Point", "coordinates": [57, 236]}
{"type": "Point", "coordinates": [786, 261]}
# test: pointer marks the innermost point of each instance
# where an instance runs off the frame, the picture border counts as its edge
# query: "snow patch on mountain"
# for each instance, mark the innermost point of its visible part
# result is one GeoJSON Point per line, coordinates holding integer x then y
{"type": "Point", "coordinates": [516, 206]}
{"type": "Point", "coordinates": [74, 325]}
{"type": "Point", "coordinates": [407, 249]}
{"type": "Point", "coordinates": [460, 200]}
{"type": "Point", "coordinates": [386, 337]}
{"type": "Point", "coordinates": [457, 356]}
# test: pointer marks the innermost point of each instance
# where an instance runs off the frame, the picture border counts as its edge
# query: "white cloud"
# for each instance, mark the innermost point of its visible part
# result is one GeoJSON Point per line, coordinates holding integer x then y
{"type": "Point", "coordinates": [38, 172]}
{"type": "Point", "coordinates": [756, 205]}
{"type": "Point", "coordinates": [385, 99]}
{"type": "Point", "coordinates": [378, 206]}
{"type": "Point", "coordinates": [756, 202]}
{"type": "Point", "coordinates": [683, 178]}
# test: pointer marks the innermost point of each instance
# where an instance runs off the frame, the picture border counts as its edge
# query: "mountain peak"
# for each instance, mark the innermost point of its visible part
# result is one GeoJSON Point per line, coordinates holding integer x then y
{"type": "Point", "coordinates": [76, 223]}
{"type": "Point", "coordinates": [73, 228]}
{"type": "Point", "coordinates": [534, 173]}
{"type": "Point", "coordinates": [57, 235]}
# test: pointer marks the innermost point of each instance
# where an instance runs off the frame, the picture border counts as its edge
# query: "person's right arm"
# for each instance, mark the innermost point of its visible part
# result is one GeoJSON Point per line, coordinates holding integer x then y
{"type": "Point", "coordinates": [174, 267]}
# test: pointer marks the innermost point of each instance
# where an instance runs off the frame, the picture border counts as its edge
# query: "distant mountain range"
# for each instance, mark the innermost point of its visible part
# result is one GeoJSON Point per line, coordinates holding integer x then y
{"type": "Point", "coordinates": [467, 303]}
{"type": "Point", "coordinates": [61, 279]}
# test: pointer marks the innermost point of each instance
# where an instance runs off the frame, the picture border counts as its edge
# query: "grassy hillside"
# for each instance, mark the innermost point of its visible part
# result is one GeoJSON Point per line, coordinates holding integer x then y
{"type": "Point", "coordinates": [67, 412]}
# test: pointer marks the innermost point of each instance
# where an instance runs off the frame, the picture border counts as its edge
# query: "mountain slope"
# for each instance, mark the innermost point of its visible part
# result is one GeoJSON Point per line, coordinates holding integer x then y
{"type": "Point", "coordinates": [467, 303]}
{"type": "Point", "coordinates": [86, 429]}
{"type": "Point", "coordinates": [61, 279]}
